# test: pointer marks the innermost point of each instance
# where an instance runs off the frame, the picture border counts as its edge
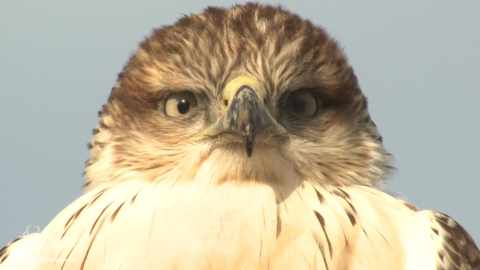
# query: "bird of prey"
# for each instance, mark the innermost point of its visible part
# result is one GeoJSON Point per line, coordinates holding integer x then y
{"type": "Point", "coordinates": [240, 139]}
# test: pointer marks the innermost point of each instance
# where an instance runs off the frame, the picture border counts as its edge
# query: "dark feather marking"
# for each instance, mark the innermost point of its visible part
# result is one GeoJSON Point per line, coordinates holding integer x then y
{"type": "Point", "coordinates": [72, 219]}
{"type": "Point", "coordinates": [352, 218]}
{"type": "Point", "coordinates": [89, 145]}
{"type": "Point", "coordinates": [99, 144]}
{"type": "Point", "coordinates": [88, 250]}
{"type": "Point", "coordinates": [365, 233]}
{"type": "Point", "coordinates": [102, 124]}
{"type": "Point", "coordinates": [435, 231]}
{"type": "Point", "coordinates": [3, 251]}
{"type": "Point", "coordinates": [320, 197]}
{"type": "Point", "coordinates": [68, 256]}
{"type": "Point", "coordinates": [411, 206]}
{"type": "Point", "coordinates": [353, 208]}
{"type": "Point", "coordinates": [17, 239]}
{"type": "Point", "coordinates": [100, 193]}
{"type": "Point", "coordinates": [325, 260]}
{"type": "Point", "coordinates": [279, 224]}
{"type": "Point", "coordinates": [99, 216]}
{"type": "Point", "coordinates": [94, 237]}
{"type": "Point", "coordinates": [112, 217]}
{"type": "Point", "coordinates": [346, 197]}
{"type": "Point", "coordinates": [133, 199]}
{"type": "Point", "coordinates": [322, 250]}
{"type": "Point", "coordinates": [460, 248]}
{"type": "Point", "coordinates": [322, 224]}
{"type": "Point", "coordinates": [339, 194]}
{"type": "Point", "coordinates": [75, 216]}
{"type": "Point", "coordinates": [65, 228]}
{"type": "Point", "coordinates": [345, 193]}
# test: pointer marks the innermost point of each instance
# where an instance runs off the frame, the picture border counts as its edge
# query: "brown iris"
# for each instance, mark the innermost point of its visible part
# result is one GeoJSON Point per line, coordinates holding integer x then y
{"type": "Point", "coordinates": [303, 103]}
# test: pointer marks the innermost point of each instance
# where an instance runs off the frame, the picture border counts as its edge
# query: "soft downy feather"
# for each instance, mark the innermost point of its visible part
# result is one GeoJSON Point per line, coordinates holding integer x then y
{"type": "Point", "coordinates": [134, 226]}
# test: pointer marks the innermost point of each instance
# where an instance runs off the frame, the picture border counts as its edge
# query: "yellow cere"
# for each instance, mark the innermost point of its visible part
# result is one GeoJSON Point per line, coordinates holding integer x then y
{"type": "Point", "coordinates": [233, 85]}
{"type": "Point", "coordinates": [228, 93]}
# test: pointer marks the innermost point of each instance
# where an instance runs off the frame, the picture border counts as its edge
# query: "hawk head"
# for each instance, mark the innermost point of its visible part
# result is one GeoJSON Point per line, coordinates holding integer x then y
{"type": "Point", "coordinates": [250, 93]}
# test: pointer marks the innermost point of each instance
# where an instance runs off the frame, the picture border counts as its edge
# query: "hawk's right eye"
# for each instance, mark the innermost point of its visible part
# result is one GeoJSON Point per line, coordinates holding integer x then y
{"type": "Point", "coordinates": [180, 104]}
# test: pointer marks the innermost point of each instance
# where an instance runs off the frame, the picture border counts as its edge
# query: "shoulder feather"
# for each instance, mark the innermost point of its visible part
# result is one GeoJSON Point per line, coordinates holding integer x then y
{"type": "Point", "coordinates": [439, 242]}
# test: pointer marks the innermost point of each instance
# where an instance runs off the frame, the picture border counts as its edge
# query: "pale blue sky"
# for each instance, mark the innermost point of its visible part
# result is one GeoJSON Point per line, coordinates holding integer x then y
{"type": "Point", "coordinates": [417, 61]}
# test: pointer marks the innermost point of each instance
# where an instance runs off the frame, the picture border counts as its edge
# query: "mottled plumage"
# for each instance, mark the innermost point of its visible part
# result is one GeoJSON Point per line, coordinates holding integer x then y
{"type": "Point", "coordinates": [267, 159]}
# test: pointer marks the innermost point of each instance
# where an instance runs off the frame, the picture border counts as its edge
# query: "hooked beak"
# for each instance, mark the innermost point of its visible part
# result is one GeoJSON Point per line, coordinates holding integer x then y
{"type": "Point", "coordinates": [244, 113]}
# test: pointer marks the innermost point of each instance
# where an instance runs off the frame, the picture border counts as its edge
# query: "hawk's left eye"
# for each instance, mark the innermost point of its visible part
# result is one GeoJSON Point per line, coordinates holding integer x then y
{"type": "Point", "coordinates": [303, 103]}
{"type": "Point", "coordinates": [179, 104]}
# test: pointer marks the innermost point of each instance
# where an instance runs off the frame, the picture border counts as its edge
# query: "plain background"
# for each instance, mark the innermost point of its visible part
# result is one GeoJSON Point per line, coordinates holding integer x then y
{"type": "Point", "coordinates": [417, 61]}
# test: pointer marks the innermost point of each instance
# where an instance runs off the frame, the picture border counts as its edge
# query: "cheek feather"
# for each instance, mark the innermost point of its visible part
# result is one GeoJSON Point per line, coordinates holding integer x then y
{"type": "Point", "coordinates": [230, 163]}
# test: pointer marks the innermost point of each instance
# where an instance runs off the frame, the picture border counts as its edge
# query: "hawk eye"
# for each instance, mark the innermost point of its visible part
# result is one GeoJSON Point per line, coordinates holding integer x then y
{"type": "Point", "coordinates": [303, 103]}
{"type": "Point", "coordinates": [179, 104]}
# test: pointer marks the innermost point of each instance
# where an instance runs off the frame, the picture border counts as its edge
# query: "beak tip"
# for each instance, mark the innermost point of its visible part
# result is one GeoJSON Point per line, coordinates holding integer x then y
{"type": "Point", "coordinates": [249, 148]}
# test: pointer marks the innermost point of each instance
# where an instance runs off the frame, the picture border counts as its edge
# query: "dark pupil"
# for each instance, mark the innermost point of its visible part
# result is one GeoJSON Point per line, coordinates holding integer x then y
{"type": "Point", "coordinates": [298, 105]}
{"type": "Point", "coordinates": [183, 106]}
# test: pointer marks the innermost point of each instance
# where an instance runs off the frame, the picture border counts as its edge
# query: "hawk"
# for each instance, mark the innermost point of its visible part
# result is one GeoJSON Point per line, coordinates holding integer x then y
{"type": "Point", "coordinates": [240, 139]}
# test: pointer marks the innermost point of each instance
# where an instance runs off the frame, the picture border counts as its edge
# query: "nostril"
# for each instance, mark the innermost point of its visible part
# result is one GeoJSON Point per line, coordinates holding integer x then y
{"type": "Point", "coordinates": [225, 102]}
{"type": "Point", "coordinates": [265, 101]}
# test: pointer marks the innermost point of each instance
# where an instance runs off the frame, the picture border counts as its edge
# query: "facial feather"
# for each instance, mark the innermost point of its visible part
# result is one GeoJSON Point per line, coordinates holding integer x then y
{"type": "Point", "coordinates": [200, 54]}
